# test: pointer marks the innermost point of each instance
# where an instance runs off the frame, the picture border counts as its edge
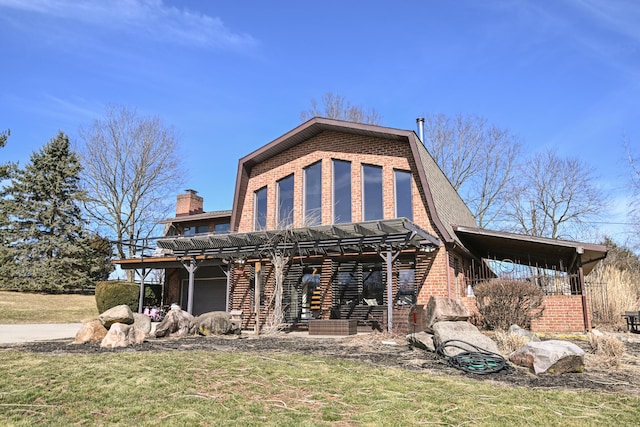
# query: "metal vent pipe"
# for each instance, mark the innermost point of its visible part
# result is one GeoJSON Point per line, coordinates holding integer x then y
{"type": "Point", "coordinates": [420, 122]}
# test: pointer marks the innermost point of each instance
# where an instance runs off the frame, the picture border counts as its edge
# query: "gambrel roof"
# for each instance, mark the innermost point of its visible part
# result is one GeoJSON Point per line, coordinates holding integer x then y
{"type": "Point", "coordinates": [445, 206]}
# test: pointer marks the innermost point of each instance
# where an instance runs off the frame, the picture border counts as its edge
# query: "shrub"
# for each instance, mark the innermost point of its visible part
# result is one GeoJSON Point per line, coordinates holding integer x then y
{"type": "Point", "coordinates": [509, 343]}
{"type": "Point", "coordinates": [502, 303]}
{"type": "Point", "coordinates": [609, 349]}
{"type": "Point", "coordinates": [112, 293]}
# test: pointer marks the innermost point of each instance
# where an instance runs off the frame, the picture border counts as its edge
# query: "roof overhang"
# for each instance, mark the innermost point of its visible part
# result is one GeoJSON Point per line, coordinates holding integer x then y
{"type": "Point", "coordinates": [197, 217]}
{"type": "Point", "coordinates": [368, 236]}
{"type": "Point", "coordinates": [530, 250]}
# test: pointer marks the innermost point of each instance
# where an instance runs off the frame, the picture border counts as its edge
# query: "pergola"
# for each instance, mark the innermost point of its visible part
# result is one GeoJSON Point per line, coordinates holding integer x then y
{"type": "Point", "coordinates": [385, 237]}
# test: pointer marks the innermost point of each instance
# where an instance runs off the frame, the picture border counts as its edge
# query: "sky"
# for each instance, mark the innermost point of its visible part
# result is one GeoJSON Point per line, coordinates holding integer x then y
{"type": "Point", "coordinates": [233, 76]}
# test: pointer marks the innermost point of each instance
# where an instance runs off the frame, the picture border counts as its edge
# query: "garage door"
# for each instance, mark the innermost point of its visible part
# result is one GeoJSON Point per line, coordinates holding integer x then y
{"type": "Point", "coordinates": [208, 295]}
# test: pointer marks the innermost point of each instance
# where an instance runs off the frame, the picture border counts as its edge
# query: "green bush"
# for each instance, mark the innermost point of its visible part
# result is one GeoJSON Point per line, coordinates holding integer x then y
{"type": "Point", "coordinates": [502, 303]}
{"type": "Point", "coordinates": [112, 293]}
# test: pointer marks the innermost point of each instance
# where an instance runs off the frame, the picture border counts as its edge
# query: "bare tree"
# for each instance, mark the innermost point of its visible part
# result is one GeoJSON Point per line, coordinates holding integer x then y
{"type": "Point", "coordinates": [634, 184]}
{"type": "Point", "coordinates": [478, 158]}
{"type": "Point", "coordinates": [131, 169]}
{"type": "Point", "coordinates": [556, 197]}
{"type": "Point", "coordinates": [335, 106]}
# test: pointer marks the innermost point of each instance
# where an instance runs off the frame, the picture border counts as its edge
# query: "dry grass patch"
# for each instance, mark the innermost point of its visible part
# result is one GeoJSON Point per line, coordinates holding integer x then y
{"type": "Point", "coordinates": [608, 349]}
{"type": "Point", "coordinates": [508, 343]}
{"type": "Point", "coordinates": [23, 307]}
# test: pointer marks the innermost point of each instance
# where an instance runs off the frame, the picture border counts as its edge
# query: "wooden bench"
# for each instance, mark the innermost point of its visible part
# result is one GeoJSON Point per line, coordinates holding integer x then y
{"type": "Point", "coordinates": [369, 317]}
{"type": "Point", "coordinates": [633, 320]}
{"type": "Point", "coordinates": [333, 327]}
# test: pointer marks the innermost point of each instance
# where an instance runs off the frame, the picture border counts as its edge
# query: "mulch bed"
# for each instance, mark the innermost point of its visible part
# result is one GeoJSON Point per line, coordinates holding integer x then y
{"type": "Point", "coordinates": [375, 349]}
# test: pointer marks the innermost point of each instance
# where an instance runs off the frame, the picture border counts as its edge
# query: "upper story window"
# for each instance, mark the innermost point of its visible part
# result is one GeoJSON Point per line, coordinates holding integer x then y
{"type": "Point", "coordinates": [221, 228]}
{"type": "Point", "coordinates": [313, 194]}
{"type": "Point", "coordinates": [285, 202]}
{"type": "Point", "coordinates": [260, 209]}
{"type": "Point", "coordinates": [404, 202]}
{"type": "Point", "coordinates": [372, 207]}
{"type": "Point", "coordinates": [193, 230]}
{"type": "Point", "coordinates": [341, 191]}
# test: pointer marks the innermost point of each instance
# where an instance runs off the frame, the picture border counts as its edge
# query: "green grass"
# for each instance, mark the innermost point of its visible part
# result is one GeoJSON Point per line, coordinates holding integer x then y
{"type": "Point", "coordinates": [220, 388]}
{"type": "Point", "coordinates": [22, 307]}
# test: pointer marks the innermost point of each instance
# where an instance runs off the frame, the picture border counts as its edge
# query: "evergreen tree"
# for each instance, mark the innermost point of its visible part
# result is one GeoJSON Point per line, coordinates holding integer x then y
{"type": "Point", "coordinates": [4, 168]}
{"type": "Point", "coordinates": [44, 229]}
{"type": "Point", "coordinates": [5, 173]}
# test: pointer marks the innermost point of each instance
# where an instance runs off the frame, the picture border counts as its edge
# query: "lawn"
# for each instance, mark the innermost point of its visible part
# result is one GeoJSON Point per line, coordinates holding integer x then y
{"type": "Point", "coordinates": [22, 307]}
{"type": "Point", "coordinates": [190, 388]}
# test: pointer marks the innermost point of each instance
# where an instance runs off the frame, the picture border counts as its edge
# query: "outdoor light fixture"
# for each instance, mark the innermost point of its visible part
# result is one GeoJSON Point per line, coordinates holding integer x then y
{"type": "Point", "coordinates": [239, 262]}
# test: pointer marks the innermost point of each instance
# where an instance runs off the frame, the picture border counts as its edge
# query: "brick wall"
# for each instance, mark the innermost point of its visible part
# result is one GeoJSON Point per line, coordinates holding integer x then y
{"type": "Point", "coordinates": [323, 148]}
{"type": "Point", "coordinates": [562, 313]}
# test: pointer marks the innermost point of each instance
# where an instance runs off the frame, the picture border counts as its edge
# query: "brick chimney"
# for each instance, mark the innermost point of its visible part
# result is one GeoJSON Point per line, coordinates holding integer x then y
{"type": "Point", "coordinates": [189, 203]}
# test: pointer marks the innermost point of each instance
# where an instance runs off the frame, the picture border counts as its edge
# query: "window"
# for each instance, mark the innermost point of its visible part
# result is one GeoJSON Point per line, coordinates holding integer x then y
{"type": "Point", "coordinates": [313, 194]}
{"type": "Point", "coordinates": [372, 192]}
{"type": "Point", "coordinates": [407, 290]}
{"type": "Point", "coordinates": [404, 203]}
{"type": "Point", "coordinates": [260, 209]}
{"type": "Point", "coordinates": [310, 292]}
{"type": "Point", "coordinates": [193, 230]}
{"type": "Point", "coordinates": [372, 284]}
{"type": "Point", "coordinates": [221, 228]}
{"type": "Point", "coordinates": [341, 191]}
{"type": "Point", "coordinates": [285, 202]}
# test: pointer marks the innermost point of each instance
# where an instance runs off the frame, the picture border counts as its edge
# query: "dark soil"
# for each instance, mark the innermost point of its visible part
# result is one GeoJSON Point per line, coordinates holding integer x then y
{"type": "Point", "coordinates": [382, 350]}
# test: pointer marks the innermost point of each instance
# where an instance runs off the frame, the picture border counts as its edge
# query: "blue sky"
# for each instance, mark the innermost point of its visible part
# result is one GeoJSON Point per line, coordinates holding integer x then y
{"type": "Point", "coordinates": [232, 76]}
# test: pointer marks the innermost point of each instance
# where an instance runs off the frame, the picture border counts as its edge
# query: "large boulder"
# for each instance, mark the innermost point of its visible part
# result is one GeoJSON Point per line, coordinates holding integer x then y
{"type": "Point", "coordinates": [517, 330]}
{"type": "Point", "coordinates": [214, 323]}
{"type": "Point", "coordinates": [442, 309]}
{"type": "Point", "coordinates": [462, 332]}
{"type": "Point", "coordinates": [118, 314]}
{"type": "Point", "coordinates": [121, 335]}
{"type": "Point", "coordinates": [91, 331]}
{"type": "Point", "coordinates": [423, 340]}
{"type": "Point", "coordinates": [176, 323]}
{"type": "Point", "coordinates": [142, 322]}
{"type": "Point", "coordinates": [553, 356]}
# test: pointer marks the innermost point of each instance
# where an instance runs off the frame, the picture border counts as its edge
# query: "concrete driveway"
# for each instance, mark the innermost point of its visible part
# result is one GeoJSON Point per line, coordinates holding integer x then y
{"type": "Point", "coordinates": [13, 334]}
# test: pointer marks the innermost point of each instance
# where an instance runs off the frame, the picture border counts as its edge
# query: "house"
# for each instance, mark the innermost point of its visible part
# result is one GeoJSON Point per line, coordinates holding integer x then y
{"type": "Point", "coordinates": [354, 221]}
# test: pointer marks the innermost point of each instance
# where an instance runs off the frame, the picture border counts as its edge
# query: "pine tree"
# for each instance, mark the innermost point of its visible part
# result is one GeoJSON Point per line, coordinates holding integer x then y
{"type": "Point", "coordinates": [44, 231]}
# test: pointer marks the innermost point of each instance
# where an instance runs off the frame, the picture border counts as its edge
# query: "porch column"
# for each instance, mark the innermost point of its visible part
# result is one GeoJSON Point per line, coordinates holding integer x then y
{"type": "Point", "coordinates": [585, 304]}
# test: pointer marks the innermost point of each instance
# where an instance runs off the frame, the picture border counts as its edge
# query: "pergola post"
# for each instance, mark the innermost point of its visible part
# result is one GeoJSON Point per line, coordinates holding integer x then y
{"type": "Point", "coordinates": [191, 268]}
{"type": "Point", "coordinates": [228, 274]}
{"type": "Point", "coordinates": [256, 299]}
{"type": "Point", "coordinates": [143, 274]}
{"type": "Point", "coordinates": [389, 258]}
